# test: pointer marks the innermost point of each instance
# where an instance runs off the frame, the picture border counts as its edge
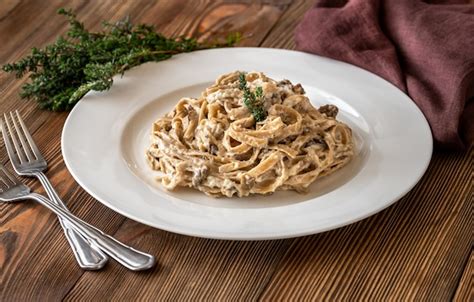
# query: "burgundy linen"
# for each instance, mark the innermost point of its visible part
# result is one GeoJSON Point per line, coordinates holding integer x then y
{"type": "Point", "coordinates": [425, 49]}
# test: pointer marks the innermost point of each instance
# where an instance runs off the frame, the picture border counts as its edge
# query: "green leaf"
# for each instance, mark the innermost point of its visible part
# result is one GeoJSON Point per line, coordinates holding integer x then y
{"type": "Point", "coordinates": [253, 100]}
{"type": "Point", "coordinates": [63, 72]}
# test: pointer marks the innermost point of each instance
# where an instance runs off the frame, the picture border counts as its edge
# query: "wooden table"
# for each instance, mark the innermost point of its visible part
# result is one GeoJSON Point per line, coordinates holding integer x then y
{"type": "Point", "coordinates": [418, 249]}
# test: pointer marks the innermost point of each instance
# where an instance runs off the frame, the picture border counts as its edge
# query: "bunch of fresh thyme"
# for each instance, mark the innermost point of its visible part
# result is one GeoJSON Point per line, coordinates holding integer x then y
{"type": "Point", "coordinates": [253, 100]}
{"type": "Point", "coordinates": [63, 72]}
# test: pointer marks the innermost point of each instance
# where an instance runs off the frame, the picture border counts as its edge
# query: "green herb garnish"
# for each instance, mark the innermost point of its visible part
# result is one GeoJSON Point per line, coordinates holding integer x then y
{"type": "Point", "coordinates": [253, 100]}
{"type": "Point", "coordinates": [63, 72]}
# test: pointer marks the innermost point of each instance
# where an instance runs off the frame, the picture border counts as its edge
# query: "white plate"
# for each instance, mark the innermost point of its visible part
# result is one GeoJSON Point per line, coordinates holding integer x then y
{"type": "Point", "coordinates": [105, 137]}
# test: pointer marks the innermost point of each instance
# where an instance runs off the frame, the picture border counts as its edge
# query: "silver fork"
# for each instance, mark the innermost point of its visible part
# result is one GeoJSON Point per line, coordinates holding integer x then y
{"type": "Point", "coordinates": [13, 190]}
{"type": "Point", "coordinates": [27, 160]}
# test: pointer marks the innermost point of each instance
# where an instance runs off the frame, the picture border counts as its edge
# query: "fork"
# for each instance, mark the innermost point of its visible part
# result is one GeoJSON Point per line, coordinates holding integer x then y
{"type": "Point", "coordinates": [12, 190]}
{"type": "Point", "coordinates": [28, 161]}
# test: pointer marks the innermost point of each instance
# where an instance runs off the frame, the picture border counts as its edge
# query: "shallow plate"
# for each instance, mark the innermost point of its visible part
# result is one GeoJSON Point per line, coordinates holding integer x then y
{"type": "Point", "coordinates": [105, 137]}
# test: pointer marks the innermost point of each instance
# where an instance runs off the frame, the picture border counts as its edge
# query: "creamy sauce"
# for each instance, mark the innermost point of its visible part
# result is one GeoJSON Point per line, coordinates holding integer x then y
{"type": "Point", "coordinates": [214, 145]}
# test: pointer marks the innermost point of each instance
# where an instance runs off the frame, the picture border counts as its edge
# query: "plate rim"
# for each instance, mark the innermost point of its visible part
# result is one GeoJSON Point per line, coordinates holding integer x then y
{"type": "Point", "coordinates": [225, 236]}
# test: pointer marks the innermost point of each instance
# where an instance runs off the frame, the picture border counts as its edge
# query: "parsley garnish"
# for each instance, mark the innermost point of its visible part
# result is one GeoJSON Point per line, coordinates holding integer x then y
{"type": "Point", "coordinates": [253, 100]}
{"type": "Point", "coordinates": [63, 72]}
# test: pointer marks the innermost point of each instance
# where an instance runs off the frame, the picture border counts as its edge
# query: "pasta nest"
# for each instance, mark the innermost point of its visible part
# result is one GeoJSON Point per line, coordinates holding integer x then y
{"type": "Point", "coordinates": [213, 143]}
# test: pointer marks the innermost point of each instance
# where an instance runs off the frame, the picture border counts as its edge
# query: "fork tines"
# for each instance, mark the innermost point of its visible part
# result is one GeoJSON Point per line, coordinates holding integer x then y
{"type": "Point", "coordinates": [23, 149]}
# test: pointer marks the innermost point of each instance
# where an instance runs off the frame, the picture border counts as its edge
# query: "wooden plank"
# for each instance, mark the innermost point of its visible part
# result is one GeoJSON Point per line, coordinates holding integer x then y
{"type": "Point", "coordinates": [415, 250]}
{"type": "Point", "coordinates": [348, 264]}
{"type": "Point", "coordinates": [35, 246]}
{"type": "Point", "coordinates": [282, 35]}
{"type": "Point", "coordinates": [32, 245]}
{"type": "Point", "coordinates": [465, 290]}
{"type": "Point", "coordinates": [189, 269]}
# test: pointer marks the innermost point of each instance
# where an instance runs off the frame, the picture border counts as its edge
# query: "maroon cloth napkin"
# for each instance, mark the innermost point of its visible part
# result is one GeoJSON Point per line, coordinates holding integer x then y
{"type": "Point", "coordinates": [423, 48]}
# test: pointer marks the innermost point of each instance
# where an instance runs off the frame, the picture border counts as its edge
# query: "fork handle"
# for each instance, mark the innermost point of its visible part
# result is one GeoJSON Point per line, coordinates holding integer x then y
{"type": "Point", "coordinates": [125, 255]}
{"type": "Point", "coordinates": [88, 257]}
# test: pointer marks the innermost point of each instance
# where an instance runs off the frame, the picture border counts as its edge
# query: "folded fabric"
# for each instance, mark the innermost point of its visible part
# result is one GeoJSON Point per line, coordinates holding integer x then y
{"type": "Point", "coordinates": [424, 48]}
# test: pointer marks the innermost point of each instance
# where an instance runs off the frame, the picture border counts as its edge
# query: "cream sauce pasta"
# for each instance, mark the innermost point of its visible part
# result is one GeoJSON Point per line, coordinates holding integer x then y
{"type": "Point", "coordinates": [213, 143]}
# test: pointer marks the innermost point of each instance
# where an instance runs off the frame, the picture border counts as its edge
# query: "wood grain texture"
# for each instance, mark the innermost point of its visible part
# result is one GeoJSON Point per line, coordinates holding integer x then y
{"type": "Point", "coordinates": [418, 249]}
{"type": "Point", "coordinates": [465, 291]}
{"type": "Point", "coordinates": [414, 250]}
{"type": "Point", "coordinates": [29, 233]}
{"type": "Point", "coordinates": [281, 36]}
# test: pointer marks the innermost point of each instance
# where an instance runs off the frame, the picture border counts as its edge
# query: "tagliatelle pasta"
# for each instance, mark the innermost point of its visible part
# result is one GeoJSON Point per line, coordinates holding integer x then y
{"type": "Point", "coordinates": [213, 143]}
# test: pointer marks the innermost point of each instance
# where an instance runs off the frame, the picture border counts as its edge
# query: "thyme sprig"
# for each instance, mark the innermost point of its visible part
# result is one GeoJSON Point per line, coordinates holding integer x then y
{"type": "Point", "coordinates": [253, 100]}
{"type": "Point", "coordinates": [63, 72]}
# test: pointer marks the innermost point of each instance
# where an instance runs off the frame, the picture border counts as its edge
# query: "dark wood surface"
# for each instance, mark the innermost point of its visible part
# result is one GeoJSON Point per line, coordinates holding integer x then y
{"type": "Point", "coordinates": [418, 249]}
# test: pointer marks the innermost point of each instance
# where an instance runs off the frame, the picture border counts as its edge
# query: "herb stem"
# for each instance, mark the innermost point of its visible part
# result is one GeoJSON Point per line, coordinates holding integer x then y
{"type": "Point", "coordinates": [63, 72]}
{"type": "Point", "coordinates": [253, 100]}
